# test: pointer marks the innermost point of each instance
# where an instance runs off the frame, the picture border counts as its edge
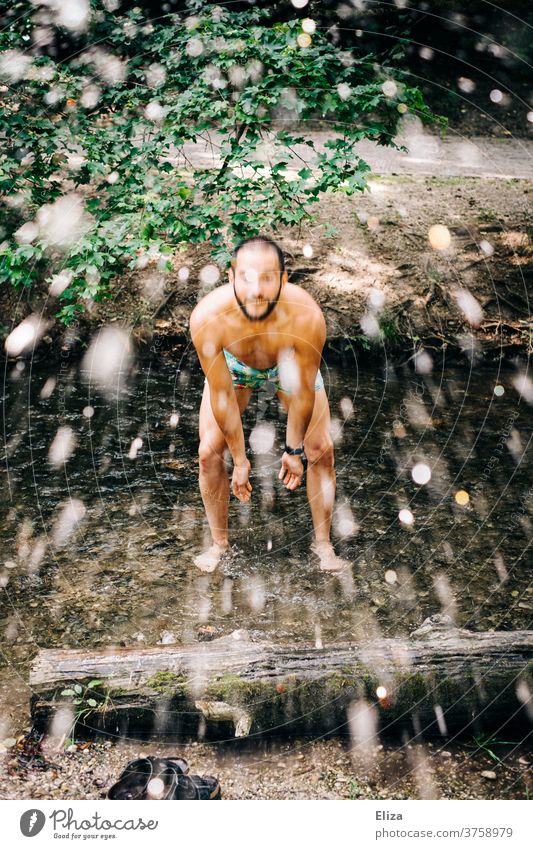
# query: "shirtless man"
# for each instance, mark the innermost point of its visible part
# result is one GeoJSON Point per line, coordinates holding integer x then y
{"type": "Point", "coordinates": [258, 327]}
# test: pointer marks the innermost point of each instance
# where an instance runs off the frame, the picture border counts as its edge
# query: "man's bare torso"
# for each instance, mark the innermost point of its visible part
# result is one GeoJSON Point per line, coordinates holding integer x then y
{"type": "Point", "coordinates": [258, 344]}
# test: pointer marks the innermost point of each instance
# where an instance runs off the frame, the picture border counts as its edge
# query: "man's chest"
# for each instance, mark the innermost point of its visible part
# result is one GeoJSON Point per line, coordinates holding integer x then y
{"type": "Point", "coordinates": [261, 350]}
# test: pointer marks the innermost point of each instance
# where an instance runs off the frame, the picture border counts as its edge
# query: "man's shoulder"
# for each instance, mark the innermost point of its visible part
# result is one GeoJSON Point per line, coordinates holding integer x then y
{"type": "Point", "coordinates": [301, 296]}
{"type": "Point", "coordinates": [211, 306]}
{"type": "Point", "coordinates": [303, 306]}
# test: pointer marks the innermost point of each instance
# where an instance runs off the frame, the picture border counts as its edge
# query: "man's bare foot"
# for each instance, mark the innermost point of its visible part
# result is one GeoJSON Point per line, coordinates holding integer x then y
{"type": "Point", "coordinates": [329, 561]}
{"type": "Point", "coordinates": [208, 560]}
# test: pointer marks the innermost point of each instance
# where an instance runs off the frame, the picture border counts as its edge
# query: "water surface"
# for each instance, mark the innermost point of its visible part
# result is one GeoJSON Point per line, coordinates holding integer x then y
{"type": "Point", "coordinates": [122, 574]}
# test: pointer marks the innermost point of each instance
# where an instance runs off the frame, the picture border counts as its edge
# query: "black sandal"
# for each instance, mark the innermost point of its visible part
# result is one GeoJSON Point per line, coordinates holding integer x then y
{"type": "Point", "coordinates": [163, 778]}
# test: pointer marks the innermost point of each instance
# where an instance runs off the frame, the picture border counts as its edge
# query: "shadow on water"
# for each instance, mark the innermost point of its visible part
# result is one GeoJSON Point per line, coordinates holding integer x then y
{"type": "Point", "coordinates": [117, 567]}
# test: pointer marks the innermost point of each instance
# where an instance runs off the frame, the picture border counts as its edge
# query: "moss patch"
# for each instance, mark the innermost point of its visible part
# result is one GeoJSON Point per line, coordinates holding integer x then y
{"type": "Point", "coordinates": [167, 682]}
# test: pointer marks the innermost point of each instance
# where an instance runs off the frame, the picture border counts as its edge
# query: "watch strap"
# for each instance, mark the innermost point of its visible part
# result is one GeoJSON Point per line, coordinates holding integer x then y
{"type": "Point", "coordinates": [294, 451]}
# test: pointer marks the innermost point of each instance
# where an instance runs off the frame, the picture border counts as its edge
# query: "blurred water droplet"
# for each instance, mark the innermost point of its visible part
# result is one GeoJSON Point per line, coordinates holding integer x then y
{"type": "Point", "coordinates": [370, 325]}
{"type": "Point", "coordinates": [363, 726]}
{"type": "Point", "coordinates": [262, 438]}
{"type": "Point", "coordinates": [25, 336]}
{"type": "Point", "coordinates": [423, 362]}
{"type": "Point", "coordinates": [154, 111]}
{"type": "Point", "coordinates": [59, 283]}
{"type": "Point", "coordinates": [389, 88]}
{"type": "Point", "coordinates": [524, 386]}
{"type": "Point", "coordinates": [289, 371]}
{"type": "Point", "coordinates": [194, 47]}
{"type": "Point", "coordinates": [107, 361]}
{"type": "Point", "coordinates": [444, 593]}
{"type": "Point", "coordinates": [441, 722]}
{"type": "Point", "coordinates": [209, 274]}
{"type": "Point", "coordinates": [344, 522]}
{"type": "Point", "coordinates": [344, 91]}
{"type": "Point", "coordinates": [347, 408]}
{"type": "Point", "coordinates": [421, 473]}
{"type": "Point", "coordinates": [69, 517]}
{"type": "Point", "coordinates": [48, 388]}
{"type": "Point", "coordinates": [64, 221]}
{"type": "Point", "coordinates": [469, 306]}
{"type": "Point", "coordinates": [466, 85]}
{"type": "Point", "coordinates": [155, 788]}
{"type": "Point", "coordinates": [62, 446]}
{"type": "Point", "coordinates": [336, 430]}
{"type": "Point", "coordinates": [439, 237]}
{"type": "Point", "coordinates": [135, 447]}
{"type": "Point", "coordinates": [304, 40]}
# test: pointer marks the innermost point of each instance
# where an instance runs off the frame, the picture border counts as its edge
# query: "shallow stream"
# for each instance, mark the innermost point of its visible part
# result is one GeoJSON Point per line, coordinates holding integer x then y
{"type": "Point", "coordinates": [97, 547]}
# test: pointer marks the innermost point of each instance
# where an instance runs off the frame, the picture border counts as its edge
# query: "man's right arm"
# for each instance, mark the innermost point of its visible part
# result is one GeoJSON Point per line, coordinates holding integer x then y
{"type": "Point", "coordinates": [221, 393]}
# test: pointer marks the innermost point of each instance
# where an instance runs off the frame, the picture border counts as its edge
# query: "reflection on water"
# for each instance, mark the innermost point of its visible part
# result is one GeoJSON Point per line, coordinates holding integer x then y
{"type": "Point", "coordinates": [102, 513]}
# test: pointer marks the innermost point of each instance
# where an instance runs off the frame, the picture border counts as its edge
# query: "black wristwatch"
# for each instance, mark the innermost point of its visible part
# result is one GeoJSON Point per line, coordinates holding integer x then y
{"type": "Point", "coordinates": [293, 451]}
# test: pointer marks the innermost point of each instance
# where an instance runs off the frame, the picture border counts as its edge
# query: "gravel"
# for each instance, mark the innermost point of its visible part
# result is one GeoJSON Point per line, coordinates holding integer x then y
{"type": "Point", "coordinates": [320, 769]}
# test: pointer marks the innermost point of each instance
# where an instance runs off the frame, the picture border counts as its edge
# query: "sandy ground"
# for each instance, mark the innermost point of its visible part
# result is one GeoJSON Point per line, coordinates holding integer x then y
{"type": "Point", "coordinates": [321, 769]}
{"type": "Point", "coordinates": [381, 246]}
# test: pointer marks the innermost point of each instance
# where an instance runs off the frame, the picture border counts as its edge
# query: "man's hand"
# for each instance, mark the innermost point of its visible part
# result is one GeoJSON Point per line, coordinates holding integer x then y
{"type": "Point", "coordinates": [240, 483]}
{"type": "Point", "coordinates": [292, 470]}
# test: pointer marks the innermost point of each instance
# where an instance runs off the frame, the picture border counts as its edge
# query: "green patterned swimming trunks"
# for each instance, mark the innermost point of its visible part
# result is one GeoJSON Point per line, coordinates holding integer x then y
{"type": "Point", "coordinates": [247, 376]}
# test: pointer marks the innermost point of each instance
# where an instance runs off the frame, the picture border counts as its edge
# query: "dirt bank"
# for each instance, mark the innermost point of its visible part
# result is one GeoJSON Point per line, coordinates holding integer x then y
{"type": "Point", "coordinates": [379, 250]}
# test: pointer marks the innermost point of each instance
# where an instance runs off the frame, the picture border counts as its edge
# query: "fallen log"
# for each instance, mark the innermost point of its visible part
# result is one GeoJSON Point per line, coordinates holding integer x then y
{"type": "Point", "coordinates": [439, 680]}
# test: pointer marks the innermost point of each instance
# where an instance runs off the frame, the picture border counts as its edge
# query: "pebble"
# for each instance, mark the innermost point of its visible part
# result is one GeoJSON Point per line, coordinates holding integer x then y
{"type": "Point", "coordinates": [167, 639]}
{"type": "Point", "coordinates": [9, 742]}
{"type": "Point", "coordinates": [488, 773]}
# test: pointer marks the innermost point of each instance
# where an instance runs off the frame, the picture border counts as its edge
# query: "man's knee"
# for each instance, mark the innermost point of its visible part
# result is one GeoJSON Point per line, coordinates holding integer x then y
{"type": "Point", "coordinates": [320, 451]}
{"type": "Point", "coordinates": [210, 452]}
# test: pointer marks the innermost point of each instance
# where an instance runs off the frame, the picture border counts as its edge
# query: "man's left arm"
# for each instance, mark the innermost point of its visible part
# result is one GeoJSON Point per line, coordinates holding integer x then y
{"type": "Point", "coordinates": [308, 352]}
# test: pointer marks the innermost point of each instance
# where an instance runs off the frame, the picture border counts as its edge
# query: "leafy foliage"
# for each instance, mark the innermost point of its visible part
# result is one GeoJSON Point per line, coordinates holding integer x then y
{"type": "Point", "coordinates": [95, 167]}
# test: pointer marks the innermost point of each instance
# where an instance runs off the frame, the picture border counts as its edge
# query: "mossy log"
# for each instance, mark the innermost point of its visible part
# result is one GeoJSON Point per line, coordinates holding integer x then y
{"type": "Point", "coordinates": [439, 680]}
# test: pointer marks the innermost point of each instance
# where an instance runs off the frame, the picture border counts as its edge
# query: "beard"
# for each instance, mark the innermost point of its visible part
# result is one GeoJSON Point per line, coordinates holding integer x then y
{"type": "Point", "coordinates": [267, 312]}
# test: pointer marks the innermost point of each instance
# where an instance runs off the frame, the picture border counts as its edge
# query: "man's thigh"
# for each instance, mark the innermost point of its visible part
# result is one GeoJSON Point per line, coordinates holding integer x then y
{"type": "Point", "coordinates": [208, 426]}
{"type": "Point", "coordinates": [320, 419]}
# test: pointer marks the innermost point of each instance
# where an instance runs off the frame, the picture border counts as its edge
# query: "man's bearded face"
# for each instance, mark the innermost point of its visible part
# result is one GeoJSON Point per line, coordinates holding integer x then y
{"type": "Point", "coordinates": [257, 281]}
